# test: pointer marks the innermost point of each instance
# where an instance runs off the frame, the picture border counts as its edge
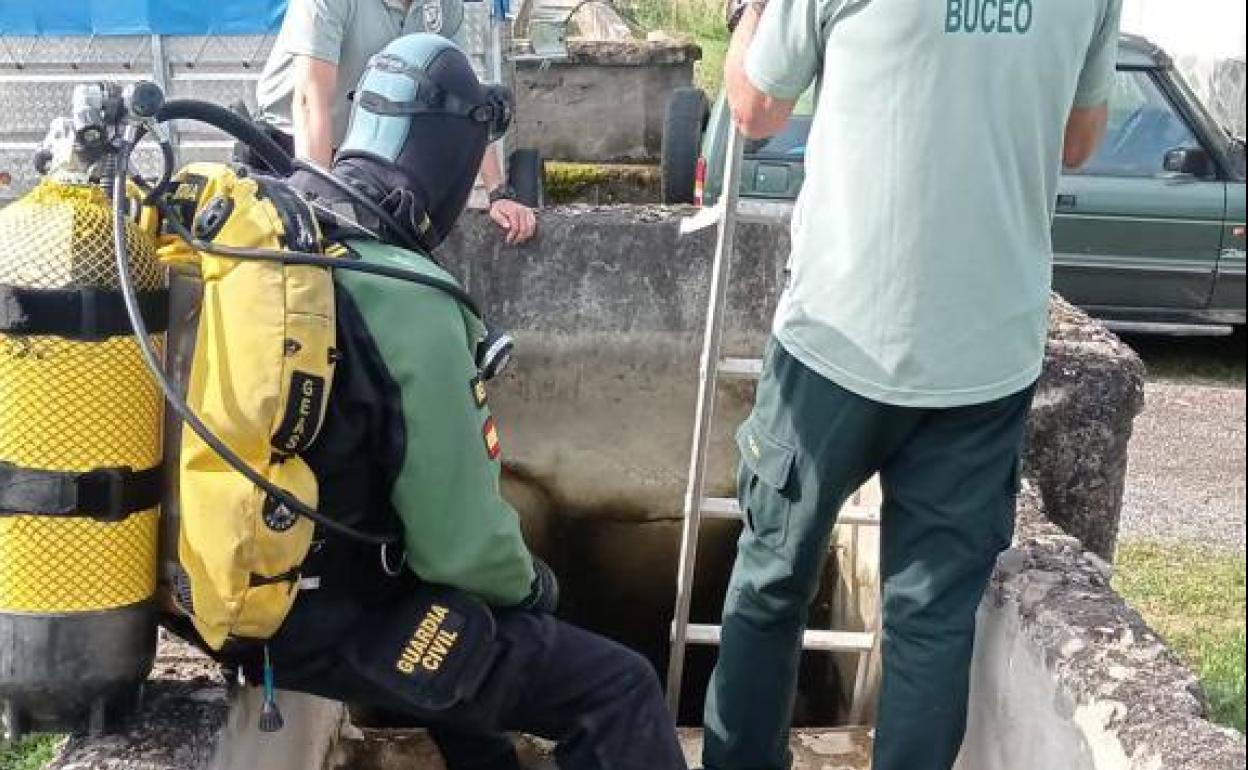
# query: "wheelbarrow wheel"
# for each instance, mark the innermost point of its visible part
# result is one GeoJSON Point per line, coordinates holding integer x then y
{"type": "Point", "coordinates": [683, 123]}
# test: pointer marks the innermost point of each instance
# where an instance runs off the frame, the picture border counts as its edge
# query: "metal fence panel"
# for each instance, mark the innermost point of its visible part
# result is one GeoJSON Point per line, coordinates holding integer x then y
{"type": "Point", "coordinates": [37, 77]}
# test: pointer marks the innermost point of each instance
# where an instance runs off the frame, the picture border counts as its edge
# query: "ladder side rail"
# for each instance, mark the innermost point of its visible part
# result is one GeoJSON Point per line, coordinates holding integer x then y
{"type": "Point", "coordinates": [708, 369]}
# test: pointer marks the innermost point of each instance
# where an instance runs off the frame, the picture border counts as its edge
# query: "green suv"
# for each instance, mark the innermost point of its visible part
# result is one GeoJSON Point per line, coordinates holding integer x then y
{"type": "Point", "coordinates": [1150, 231]}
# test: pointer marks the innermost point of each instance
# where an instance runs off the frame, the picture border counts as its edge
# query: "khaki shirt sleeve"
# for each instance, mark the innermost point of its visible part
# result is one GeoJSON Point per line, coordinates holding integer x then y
{"type": "Point", "coordinates": [317, 28]}
{"type": "Point", "coordinates": [1096, 81]}
{"type": "Point", "coordinates": [785, 56]}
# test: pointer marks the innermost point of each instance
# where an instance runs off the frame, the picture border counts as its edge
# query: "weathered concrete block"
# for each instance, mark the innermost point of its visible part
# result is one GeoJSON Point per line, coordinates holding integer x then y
{"type": "Point", "coordinates": [605, 103]}
{"type": "Point", "coordinates": [1066, 675]}
{"type": "Point", "coordinates": [1081, 424]}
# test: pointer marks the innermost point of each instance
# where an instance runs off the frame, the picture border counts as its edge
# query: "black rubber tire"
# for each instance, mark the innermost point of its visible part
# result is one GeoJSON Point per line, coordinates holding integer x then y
{"type": "Point", "coordinates": [683, 123]}
{"type": "Point", "coordinates": [526, 173]}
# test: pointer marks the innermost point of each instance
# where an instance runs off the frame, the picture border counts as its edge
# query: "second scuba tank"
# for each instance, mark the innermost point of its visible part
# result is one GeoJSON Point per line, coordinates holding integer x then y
{"type": "Point", "coordinates": [80, 457]}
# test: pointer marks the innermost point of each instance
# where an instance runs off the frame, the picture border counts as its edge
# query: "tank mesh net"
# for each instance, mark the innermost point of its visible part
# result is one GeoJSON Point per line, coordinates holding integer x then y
{"type": "Point", "coordinates": [74, 406]}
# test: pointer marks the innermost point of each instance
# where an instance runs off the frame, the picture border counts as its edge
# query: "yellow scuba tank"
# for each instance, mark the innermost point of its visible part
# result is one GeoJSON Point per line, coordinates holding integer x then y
{"type": "Point", "coordinates": [80, 457]}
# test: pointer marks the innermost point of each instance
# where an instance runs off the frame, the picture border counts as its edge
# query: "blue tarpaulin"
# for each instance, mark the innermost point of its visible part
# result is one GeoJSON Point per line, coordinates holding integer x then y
{"type": "Point", "coordinates": [140, 17]}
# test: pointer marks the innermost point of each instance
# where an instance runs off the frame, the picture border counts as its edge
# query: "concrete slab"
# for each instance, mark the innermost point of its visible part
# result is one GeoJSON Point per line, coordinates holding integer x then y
{"type": "Point", "coordinates": [406, 749]}
{"type": "Point", "coordinates": [847, 749]}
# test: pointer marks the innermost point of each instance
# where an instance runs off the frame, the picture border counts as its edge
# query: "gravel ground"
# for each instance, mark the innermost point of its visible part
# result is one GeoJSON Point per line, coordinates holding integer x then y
{"type": "Point", "coordinates": [1186, 477]}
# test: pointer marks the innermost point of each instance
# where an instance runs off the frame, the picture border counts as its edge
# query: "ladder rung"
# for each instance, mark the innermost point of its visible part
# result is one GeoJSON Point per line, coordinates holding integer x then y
{"type": "Point", "coordinates": [818, 641]}
{"type": "Point", "coordinates": [741, 368]}
{"type": "Point", "coordinates": [851, 515]}
{"type": "Point", "coordinates": [762, 210]}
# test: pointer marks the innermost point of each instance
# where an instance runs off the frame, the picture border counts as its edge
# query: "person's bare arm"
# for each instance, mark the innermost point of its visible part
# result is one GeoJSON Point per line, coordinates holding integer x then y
{"type": "Point", "coordinates": [1084, 130]}
{"type": "Point", "coordinates": [757, 114]}
{"type": "Point", "coordinates": [517, 220]}
{"type": "Point", "coordinates": [316, 83]}
{"type": "Point", "coordinates": [491, 169]}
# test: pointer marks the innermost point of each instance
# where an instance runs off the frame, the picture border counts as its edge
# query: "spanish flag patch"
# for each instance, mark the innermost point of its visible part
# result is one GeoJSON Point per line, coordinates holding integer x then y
{"type": "Point", "coordinates": [492, 446]}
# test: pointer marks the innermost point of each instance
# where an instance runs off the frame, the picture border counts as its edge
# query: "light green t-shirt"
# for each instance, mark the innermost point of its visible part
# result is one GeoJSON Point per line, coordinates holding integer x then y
{"type": "Point", "coordinates": [347, 33]}
{"type": "Point", "coordinates": [921, 263]}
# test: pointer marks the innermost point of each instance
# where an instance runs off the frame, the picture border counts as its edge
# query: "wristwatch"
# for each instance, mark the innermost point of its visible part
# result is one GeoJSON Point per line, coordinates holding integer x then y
{"type": "Point", "coordinates": [736, 9]}
{"type": "Point", "coordinates": [504, 192]}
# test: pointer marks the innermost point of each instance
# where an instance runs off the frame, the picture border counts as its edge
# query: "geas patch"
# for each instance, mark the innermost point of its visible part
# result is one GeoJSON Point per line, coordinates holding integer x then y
{"type": "Point", "coordinates": [493, 447]}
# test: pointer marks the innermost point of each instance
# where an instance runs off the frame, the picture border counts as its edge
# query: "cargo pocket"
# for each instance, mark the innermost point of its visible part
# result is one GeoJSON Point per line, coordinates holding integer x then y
{"type": "Point", "coordinates": [764, 486]}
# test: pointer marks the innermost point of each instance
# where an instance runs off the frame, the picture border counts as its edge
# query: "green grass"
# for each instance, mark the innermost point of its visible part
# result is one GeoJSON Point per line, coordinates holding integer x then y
{"type": "Point", "coordinates": [29, 753]}
{"type": "Point", "coordinates": [701, 21]}
{"type": "Point", "coordinates": [1194, 597]}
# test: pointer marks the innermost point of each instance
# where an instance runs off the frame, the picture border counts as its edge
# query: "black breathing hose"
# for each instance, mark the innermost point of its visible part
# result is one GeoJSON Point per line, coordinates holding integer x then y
{"type": "Point", "coordinates": [273, 154]}
{"type": "Point", "coordinates": [175, 400]}
{"type": "Point", "coordinates": [233, 124]}
{"type": "Point", "coordinates": [317, 260]}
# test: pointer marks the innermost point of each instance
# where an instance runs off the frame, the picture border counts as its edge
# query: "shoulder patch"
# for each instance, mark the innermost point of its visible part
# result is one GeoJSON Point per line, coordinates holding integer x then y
{"type": "Point", "coordinates": [479, 396]}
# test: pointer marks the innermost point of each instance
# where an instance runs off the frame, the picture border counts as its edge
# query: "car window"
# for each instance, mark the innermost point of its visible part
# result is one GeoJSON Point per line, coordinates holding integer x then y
{"type": "Point", "coordinates": [1143, 127]}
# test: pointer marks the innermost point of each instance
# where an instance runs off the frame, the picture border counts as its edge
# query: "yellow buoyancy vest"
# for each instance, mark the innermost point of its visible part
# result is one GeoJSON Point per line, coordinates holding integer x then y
{"type": "Point", "coordinates": [260, 378]}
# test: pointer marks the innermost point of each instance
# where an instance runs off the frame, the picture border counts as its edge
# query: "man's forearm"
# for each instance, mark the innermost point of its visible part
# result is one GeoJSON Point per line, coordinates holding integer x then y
{"type": "Point", "coordinates": [313, 131]}
{"type": "Point", "coordinates": [755, 113]}
{"type": "Point", "coordinates": [491, 169]}
{"type": "Point", "coordinates": [1085, 128]}
{"type": "Point", "coordinates": [316, 83]}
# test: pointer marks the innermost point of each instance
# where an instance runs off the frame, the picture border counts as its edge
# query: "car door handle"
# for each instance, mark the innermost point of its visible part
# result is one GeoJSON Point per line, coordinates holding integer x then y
{"type": "Point", "coordinates": [1067, 202]}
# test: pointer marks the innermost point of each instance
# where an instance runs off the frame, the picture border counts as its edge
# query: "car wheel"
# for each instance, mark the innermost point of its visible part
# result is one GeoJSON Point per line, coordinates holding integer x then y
{"type": "Point", "coordinates": [683, 122]}
{"type": "Point", "coordinates": [526, 173]}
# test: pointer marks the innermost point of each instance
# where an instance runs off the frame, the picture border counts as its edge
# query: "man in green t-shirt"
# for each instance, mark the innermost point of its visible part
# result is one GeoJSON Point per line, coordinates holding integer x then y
{"type": "Point", "coordinates": [910, 336]}
{"type": "Point", "coordinates": [322, 50]}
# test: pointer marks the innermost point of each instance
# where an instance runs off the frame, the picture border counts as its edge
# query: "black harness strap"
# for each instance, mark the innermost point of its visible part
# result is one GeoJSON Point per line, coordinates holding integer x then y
{"type": "Point", "coordinates": [86, 314]}
{"type": "Point", "coordinates": [103, 494]}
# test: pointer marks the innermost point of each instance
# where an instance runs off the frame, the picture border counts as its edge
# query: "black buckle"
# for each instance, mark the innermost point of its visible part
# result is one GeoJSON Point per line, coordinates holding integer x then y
{"type": "Point", "coordinates": [102, 493]}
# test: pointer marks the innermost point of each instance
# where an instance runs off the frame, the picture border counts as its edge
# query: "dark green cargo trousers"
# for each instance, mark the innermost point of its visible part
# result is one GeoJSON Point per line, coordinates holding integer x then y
{"type": "Point", "coordinates": [950, 478]}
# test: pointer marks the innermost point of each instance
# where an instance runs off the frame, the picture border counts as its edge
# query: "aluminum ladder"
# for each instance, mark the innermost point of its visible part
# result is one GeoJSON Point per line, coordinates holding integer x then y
{"type": "Point", "coordinates": [727, 213]}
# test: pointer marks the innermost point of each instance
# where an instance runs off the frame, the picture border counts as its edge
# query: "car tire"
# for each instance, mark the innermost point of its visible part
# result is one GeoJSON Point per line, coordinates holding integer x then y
{"type": "Point", "coordinates": [683, 123]}
{"type": "Point", "coordinates": [526, 173]}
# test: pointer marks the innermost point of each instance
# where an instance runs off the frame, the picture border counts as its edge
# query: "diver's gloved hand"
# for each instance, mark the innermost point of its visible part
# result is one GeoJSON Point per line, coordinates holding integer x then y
{"type": "Point", "coordinates": [545, 595]}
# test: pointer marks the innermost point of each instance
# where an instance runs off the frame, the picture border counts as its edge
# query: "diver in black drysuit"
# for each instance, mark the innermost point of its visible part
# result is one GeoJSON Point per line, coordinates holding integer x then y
{"type": "Point", "coordinates": [420, 125]}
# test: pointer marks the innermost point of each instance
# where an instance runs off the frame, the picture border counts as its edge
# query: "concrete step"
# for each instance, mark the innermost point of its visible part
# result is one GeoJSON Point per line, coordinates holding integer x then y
{"type": "Point", "coordinates": [814, 749]}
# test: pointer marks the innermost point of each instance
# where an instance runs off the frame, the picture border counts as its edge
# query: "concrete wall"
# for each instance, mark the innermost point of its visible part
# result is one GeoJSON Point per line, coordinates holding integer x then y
{"type": "Point", "coordinates": [606, 103]}
{"type": "Point", "coordinates": [608, 306]}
